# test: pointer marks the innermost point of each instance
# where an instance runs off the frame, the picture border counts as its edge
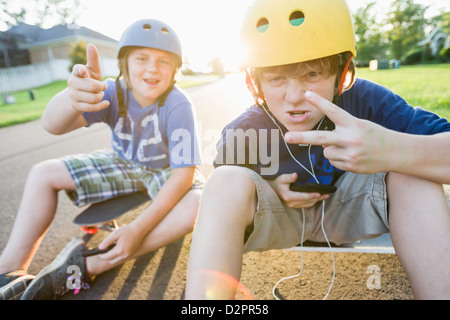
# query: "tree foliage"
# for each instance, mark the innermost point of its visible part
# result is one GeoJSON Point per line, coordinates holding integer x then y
{"type": "Point", "coordinates": [442, 20]}
{"type": "Point", "coordinates": [394, 32]}
{"type": "Point", "coordinates": [78, 54]}
{"type": "Point", "coordinates": [408, 26]}
{"type": "Point", "coordinates": [370, 41]}
{"type": "Point", "coordinates": [39, 12]}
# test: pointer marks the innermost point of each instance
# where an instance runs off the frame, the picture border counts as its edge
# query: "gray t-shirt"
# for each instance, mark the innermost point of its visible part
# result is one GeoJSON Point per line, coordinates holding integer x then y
{"type": "Point", "coordinates": [153, 136]}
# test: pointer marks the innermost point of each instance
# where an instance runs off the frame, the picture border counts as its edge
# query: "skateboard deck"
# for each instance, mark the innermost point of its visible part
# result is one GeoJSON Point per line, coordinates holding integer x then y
{"type": "Point", "coordinates": [107, 211]}
{"type": "Point", "coordinates": [382, 244]}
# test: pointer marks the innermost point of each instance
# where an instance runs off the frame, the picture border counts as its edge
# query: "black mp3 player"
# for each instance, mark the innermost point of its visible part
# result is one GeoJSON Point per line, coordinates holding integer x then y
{"type": "Point", "coordinates": [313, 187]}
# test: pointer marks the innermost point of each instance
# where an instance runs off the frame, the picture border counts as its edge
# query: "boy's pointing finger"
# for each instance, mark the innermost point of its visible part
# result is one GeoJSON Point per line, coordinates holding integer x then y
{"type": "Point", "coordinates": [332, 111]}
{"type": "Point", "coordinates": [317, 138]}
{"type": "Point", "coordinates": [93, 62]}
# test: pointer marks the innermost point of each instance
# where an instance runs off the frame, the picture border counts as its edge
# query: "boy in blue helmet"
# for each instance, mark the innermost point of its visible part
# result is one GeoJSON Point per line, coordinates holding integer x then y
{"type": "Point", "coordinates": [154, 148]}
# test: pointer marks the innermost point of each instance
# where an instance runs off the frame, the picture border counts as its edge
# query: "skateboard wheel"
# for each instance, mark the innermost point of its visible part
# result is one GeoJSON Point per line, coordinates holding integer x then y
{"type": "Point", "coordinates": [89, 230]}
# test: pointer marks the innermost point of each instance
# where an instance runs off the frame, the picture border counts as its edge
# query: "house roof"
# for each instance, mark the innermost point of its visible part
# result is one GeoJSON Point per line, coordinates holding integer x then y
{"type": "Point", "coordinates": [35, 35]}
{"type": "Point", "coordinates": [430, 36]}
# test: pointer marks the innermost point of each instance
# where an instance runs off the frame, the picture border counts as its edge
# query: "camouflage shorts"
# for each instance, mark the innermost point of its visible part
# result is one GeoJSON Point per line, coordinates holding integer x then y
{"type": "Point", "coordinates": [103, 175]}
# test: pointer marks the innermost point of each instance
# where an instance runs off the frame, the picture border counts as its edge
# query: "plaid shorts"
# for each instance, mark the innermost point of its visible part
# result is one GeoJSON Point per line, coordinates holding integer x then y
{"type": "Point", "coordinates": [103, 175]}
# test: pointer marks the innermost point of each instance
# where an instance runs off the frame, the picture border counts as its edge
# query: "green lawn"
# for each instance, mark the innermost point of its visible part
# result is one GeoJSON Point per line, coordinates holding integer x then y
{"type": "Point", "coordinates": [26, 109]}
{"type": "Point", "coordinates": [425, 86]}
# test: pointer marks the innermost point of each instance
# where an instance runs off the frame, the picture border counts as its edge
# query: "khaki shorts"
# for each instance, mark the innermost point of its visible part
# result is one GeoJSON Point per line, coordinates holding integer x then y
{"type": "Point", "coordinates": [356, 211]}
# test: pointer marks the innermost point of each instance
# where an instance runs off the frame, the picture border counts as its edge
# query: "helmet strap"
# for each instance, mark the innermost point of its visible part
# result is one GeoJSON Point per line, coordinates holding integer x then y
{"type": "Point", "coordinates": [344, 75]}
{"type": "Point", "coordinates": [251, 86]}
{"type": "Point", "coordinates": [121, 98]}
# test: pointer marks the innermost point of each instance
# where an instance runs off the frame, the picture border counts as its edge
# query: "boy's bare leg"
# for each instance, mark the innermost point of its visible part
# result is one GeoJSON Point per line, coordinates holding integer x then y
{"type": "Point", "coordinates": [178, 222]}
{"type": "Point", "coordinates": [420, 228]}
{"type": "Point", "coordinates": [228, 205]}
{"type": "Point", "coordinates": [36, 212]}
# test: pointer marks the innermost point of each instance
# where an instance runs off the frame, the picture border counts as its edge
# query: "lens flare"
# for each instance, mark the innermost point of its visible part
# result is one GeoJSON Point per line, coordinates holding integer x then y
{"type": "Point", "coordinates": [221, 284]}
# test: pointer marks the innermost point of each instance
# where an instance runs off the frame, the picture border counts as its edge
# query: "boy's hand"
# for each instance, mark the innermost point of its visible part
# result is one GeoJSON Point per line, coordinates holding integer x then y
{"type": "Point", "coordinates": [355, 145]}
{"type": "Point", "coordinates": [84, 84]}
{"type": "Point", "coordinates": [127, 240]}
{"type": "Point", "coordinates": [294, 199]}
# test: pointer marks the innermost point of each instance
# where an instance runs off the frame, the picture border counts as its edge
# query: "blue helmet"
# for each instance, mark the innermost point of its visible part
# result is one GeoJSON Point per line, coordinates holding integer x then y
{"type": "Point", "coordinates": [151, 33]}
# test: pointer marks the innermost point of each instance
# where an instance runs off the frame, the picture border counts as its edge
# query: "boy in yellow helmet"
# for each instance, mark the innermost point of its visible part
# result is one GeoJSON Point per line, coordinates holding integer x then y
{"type": "Point", "coordinates": [353, 161]}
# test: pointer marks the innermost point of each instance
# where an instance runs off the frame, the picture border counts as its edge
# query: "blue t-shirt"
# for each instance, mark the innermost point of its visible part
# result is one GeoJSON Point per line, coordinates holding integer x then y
{"type": "Point", "coordinates": [153, 136]}
{"type": "Point", "coordinates": [254, 141]}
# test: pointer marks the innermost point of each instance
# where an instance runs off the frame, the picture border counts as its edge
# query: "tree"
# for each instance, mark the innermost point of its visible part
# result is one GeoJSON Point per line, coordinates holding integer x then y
{"type": "Point", "coordinates": [38, 12]}
{"type": "Point", "coordinates": [442, 20]}
{"type": "Point", "coordinates": [407, 21]}
{"type": "Point", "coordinates": [78, 54]}
{"type": "Point", "coordinates": [370, 40]}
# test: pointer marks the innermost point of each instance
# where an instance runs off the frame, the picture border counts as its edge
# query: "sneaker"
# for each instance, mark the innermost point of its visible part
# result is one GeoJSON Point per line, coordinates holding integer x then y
{"type": "Point", "coordinates": [13, 284]}
{"type": "Point", "coordinates": [67, 272]}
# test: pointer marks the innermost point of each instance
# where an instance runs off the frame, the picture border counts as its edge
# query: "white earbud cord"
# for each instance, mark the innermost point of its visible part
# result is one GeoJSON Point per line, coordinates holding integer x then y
{"type": "Point", "coordinates": [312, 173]}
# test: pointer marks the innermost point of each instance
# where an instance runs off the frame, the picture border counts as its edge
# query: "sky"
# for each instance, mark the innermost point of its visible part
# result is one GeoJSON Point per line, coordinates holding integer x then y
{"type": "Point", "coordinates": [207, 28]}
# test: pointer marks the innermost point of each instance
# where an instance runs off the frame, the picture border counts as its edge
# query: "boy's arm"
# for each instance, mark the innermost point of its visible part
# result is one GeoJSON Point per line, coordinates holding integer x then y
{"type": "Point", "coordinates": [180, 181]}
{"type": "Point", "coordinates": [129, 238]}
{"type": "Point", "coordinates": [84, 93]}
{"type": "Point", "coordinates": [362, 146]}
{"type": "Point", "coordinates": [423, 156]}
{"type": "Point", "coordinates": [60, 117]}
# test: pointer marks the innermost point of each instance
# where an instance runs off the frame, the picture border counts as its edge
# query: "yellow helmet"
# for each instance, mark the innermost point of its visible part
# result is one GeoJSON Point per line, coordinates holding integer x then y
{"type": "Point", "coordinates": [290, 31]}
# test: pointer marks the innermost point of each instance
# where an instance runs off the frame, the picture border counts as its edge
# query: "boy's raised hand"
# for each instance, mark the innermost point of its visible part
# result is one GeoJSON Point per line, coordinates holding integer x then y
{"type": "Point", "coordinates": [84, 84]}
{"type": "Point", "coordinates": [355, 145]}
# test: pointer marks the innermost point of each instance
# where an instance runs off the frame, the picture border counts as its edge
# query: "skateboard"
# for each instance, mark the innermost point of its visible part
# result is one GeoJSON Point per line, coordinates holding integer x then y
{"type": "Point", "coordinates": [103, 215]}
{"type": "Point", "coordinates": [381, 244]}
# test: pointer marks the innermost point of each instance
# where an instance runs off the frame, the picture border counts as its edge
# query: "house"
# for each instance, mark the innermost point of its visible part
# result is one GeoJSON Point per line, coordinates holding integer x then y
{"type": "Point", "coordinates": [27, 44]}
{"type": "Point", "coordinates": [436, 40]}
{"type": "Point", "coordinates": [31, 56]}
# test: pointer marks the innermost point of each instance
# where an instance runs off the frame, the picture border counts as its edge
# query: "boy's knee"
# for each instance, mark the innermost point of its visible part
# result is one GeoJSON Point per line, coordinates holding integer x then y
{"type": "Point", "coordinates": [402, 180]}
{"type": "Point", "coordinates": [409, 186]}
{"type": "Point", "coordinates": [231, 178]}
{"type": "Point", "coordinates": [52, 173]}
{"type": "Point", "coordinates": [41, 170]}
{"type": "Point", "coordinates": [231, 184]}
{"type": "Point", "coordinates": [230, 188]}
